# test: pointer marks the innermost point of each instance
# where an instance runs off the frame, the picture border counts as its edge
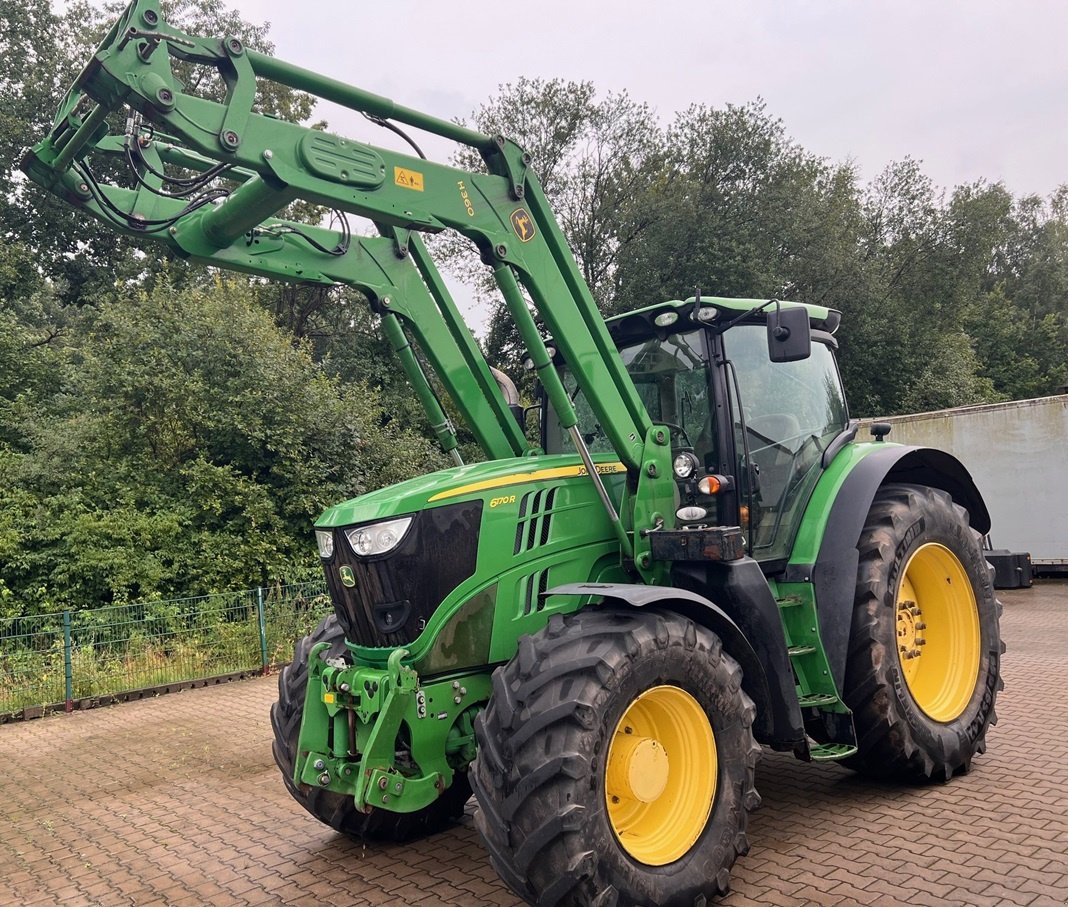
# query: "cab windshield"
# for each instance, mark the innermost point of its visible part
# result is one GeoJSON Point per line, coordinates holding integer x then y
{"type": "Point", "coordinates": [671, 376]}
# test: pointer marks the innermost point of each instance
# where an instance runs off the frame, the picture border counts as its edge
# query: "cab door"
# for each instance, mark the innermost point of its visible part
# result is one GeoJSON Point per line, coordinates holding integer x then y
{"type": "Point", "coordinates": [783, 416]}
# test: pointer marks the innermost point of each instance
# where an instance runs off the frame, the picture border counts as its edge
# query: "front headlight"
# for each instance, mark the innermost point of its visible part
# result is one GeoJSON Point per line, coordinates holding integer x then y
{"type": "Point", "coordinates": [378, 538]}
{"type": "Point", "coordinates": [325, 540]}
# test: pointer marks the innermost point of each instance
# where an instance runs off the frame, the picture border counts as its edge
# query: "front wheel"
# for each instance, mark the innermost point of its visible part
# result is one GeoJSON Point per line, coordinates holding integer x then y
{"type": "Point", "coordinates": [616, 762]}
{"type": "Point", "coordinates": [923, 669]}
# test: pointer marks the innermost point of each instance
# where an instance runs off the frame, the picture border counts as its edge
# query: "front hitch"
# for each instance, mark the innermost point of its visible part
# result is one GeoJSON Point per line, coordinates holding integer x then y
{"type": "Point", "coordinates": [380, 735]}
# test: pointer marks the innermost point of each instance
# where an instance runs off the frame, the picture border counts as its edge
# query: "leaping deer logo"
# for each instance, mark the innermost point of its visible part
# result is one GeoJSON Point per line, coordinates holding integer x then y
{"type": "Point", "coordinates": [523, 225]}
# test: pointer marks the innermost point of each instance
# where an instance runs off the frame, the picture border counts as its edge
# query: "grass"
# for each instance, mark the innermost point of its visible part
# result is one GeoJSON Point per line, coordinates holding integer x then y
{"type": "Point", "coordinates": [187, 643]}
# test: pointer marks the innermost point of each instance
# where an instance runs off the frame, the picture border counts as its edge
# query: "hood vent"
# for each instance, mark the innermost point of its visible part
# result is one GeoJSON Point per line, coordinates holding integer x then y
{"type": "Point", "coordinates": [535, 520]}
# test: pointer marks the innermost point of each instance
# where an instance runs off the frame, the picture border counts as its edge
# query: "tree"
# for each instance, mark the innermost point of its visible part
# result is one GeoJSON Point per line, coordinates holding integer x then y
{"type": "Point", "coordinates": [40, 55]}
{"type": "Point", "coordinates": [741, 210]}
{"type": "Point", "coordinates": [594, 158]}
{"type": "Point", "coordinates": [186, 444]}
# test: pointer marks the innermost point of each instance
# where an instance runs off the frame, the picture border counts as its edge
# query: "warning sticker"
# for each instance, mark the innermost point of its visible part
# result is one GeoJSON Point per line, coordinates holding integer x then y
{"type": "Point", "coordinates": [409, 179]}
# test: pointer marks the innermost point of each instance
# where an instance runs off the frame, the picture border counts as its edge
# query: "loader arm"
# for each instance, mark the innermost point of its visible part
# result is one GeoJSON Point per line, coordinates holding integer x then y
{"type": "Point", "coordinates": [273, 163]}
{"type": "Point", "coordinates": [380, 267]}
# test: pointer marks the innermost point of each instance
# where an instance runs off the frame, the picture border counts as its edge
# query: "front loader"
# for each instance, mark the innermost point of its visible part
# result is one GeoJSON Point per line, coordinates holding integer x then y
{"type": "Point", "coordinates": [596, 634]}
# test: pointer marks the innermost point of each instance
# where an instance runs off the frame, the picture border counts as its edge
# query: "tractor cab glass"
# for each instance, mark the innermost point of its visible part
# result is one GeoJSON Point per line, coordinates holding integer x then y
{"type": "Point", "coordinates": [671, 376]}
{"type": "Point", "coordinates": [784, 414]}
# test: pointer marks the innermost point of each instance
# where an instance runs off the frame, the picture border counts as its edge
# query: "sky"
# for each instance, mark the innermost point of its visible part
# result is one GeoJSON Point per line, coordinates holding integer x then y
{"type": "Point", "coordinates": [975, 90]}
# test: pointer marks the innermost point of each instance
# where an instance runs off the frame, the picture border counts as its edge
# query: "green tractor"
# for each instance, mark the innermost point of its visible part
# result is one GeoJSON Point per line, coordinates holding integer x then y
{"type": "Point", "coordinates": [597, 633]}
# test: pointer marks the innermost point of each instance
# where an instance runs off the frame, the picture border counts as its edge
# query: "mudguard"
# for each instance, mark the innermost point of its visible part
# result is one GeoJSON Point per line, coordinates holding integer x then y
{"type": "Point", "coordinates": [834, 575]}
{"type": "Point", "coordinates": [778, 721]}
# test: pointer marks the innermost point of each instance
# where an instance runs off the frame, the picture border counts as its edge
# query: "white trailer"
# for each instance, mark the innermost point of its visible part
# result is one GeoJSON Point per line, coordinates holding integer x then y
{"type": "Point", "coordinates": [1016, 452]}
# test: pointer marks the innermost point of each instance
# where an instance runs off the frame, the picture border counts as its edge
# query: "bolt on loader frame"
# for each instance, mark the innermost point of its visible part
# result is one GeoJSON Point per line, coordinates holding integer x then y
{"type": "Point", "coordinates": [597, 633]}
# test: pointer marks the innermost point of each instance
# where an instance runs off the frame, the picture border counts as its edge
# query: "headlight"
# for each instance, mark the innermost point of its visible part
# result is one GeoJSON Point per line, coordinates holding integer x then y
{"type": "Point", "coordinates": [685, 465]}
{"type": "Point", "coordinates": [324, 538]}
{"type": "Point", "coordinates": [379, 538]}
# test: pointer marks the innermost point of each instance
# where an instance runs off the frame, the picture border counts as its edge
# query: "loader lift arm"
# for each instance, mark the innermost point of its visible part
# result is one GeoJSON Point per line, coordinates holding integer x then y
{"type": "Point", "coordinates": [504, 212]}
{"type": "Point", "coordinates": [376, 266]}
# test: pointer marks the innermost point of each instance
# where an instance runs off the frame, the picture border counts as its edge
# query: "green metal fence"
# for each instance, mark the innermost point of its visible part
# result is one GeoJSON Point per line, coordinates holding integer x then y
{"type": "Point", "coordinates": [55, 660]}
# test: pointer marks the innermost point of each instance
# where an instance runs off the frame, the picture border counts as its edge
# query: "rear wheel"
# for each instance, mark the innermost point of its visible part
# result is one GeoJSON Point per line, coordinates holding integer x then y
{"type": "Point", "coordinates": [616, 761]}
{"type": "Point", "coordinates": [337, 810]}
{"type": "Point", "coordinates": [925, 651]}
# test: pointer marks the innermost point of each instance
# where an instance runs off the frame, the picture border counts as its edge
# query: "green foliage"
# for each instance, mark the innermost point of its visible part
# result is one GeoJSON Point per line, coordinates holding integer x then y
{"type": "Point", "coordinates": [185, 444]}
{"type": "Point", "coordinates": [594, 157]}
{"type": "Point", "coordinates": [947, 300]}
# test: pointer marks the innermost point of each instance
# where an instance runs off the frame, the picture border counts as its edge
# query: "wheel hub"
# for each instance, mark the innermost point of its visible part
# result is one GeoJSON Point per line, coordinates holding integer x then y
{"type": "Point", "coordinates": [638, 768]}
{"type": "Point", "coordinates": [910, 627]}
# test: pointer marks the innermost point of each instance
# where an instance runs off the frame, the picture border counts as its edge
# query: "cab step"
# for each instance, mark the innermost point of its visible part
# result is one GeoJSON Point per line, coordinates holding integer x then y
{"type": "Point", "coordinates": [817, 700]}
{"type": "Point", "coordinates": [824, 713]}
{"type": "Point", "coordinates": [830, 752]}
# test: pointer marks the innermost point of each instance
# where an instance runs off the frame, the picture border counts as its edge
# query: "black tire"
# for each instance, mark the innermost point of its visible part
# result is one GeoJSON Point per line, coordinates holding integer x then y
{"type": "Point", "coordinates": [336, 810]}
{"type": "Point", "coordinates": [540, 773]}
{"type": "Point", "coordinates": [896, 736]}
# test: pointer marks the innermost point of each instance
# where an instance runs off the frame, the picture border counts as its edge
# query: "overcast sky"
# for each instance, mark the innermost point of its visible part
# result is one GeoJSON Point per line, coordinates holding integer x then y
{"type": "Point", "coordinates": [974, 89]}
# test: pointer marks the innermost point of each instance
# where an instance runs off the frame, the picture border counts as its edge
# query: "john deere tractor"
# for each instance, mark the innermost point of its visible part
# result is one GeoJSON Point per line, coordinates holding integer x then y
{"type": "Point", "coordinates": [596, 633]}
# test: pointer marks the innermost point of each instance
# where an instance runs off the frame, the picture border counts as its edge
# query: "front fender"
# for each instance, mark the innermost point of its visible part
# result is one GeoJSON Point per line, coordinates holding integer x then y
{"type": "Point", "coordinates": [778, 719]}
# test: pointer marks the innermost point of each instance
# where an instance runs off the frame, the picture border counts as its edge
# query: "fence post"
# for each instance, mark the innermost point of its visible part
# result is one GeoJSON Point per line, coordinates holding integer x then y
{"type": "Point", "coordinates": [263, 630]}
{"type": "Point", "coordinates": [68, 670]}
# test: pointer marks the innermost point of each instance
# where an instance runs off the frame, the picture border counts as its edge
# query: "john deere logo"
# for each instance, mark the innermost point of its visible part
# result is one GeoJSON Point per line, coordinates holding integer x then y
{"type": "Point", "coordinates": [523, 225]}
{"type": "Point", "coordinates": [347, 577]}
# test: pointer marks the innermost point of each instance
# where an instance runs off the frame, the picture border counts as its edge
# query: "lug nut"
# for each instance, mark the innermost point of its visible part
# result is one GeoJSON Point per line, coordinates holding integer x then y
{"type": "Point", "coordinates": [324, 779]}
{"type": "Point", "coordinates": [318, 765]}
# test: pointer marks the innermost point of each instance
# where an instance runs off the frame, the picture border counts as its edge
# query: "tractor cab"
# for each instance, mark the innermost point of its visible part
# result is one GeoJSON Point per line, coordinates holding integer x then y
{"type": "Point", "coordinates": [750, 435]}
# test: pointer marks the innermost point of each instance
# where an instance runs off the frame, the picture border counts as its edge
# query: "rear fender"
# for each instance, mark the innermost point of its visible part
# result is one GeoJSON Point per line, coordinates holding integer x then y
{"type": "Point", "coordinates": [834, 574]}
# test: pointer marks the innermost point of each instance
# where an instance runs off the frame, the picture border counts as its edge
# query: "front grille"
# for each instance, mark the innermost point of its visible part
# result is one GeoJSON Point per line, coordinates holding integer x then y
{"type": "Point", "coordinates": [396, 593]}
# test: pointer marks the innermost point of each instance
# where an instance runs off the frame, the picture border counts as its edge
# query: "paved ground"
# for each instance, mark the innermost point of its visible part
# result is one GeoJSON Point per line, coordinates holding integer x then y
{"type": "Point", "coordinates": [176, 801]}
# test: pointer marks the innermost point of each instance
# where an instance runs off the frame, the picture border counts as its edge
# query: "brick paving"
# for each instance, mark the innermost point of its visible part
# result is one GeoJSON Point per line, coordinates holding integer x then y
{"type": "Point", "coordinates": [176, 801]}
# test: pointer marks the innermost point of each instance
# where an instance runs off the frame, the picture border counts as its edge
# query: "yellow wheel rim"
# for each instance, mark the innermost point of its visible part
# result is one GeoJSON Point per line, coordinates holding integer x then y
{"type": "Point", "coordinates": [660, 776]}
{"type": "Point", "coordinates": [938, 632]}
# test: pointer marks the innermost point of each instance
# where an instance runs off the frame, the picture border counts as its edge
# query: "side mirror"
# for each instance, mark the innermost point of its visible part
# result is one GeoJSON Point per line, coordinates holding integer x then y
{"type": "Point", "coordinates": [788, 335]}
